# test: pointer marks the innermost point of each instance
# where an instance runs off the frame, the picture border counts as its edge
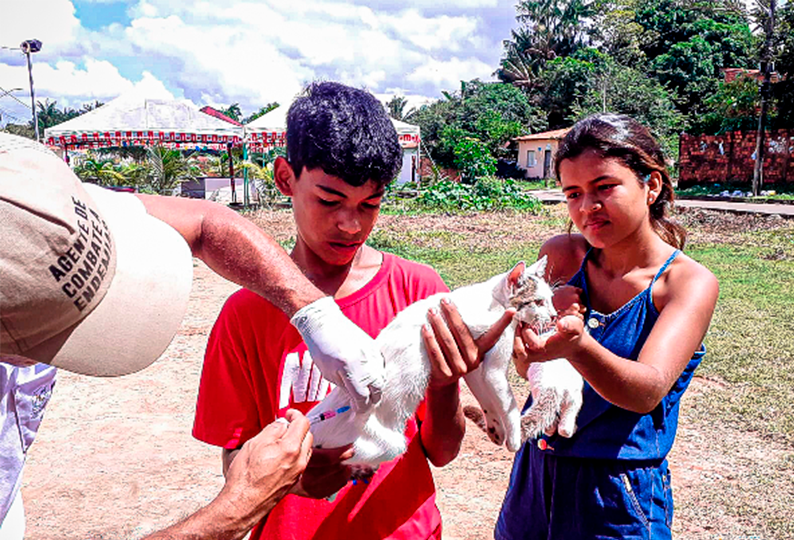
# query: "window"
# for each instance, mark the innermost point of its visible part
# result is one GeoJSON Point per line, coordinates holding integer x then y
{"type": "Point", "coordinates": [531, 158]}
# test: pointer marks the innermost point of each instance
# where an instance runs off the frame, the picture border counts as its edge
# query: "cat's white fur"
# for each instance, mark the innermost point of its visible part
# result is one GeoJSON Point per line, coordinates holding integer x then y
{"type": "Point", "coordinates": [378, 435]}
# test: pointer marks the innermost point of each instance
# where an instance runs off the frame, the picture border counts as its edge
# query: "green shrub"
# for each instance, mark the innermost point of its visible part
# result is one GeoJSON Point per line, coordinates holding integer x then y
{"type": "Point", "coordinates": [486, 194]}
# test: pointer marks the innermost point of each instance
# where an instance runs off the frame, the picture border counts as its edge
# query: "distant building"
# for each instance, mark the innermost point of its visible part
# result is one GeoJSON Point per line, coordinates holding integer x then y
{"type": "Point", "coordinates": [536, 152]}
{"type": "Point", "coordinates": [731, 74]}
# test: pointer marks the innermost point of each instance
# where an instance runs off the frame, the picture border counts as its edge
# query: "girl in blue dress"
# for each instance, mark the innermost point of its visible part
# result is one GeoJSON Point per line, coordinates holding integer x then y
{"type": "Point", "coordinates": [646, 307]}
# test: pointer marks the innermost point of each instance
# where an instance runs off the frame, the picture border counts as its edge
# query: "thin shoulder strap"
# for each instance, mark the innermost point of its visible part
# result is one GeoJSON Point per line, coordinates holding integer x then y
{"type": "Point", "coordinates": [667, 263]}
{"type": "Point", "coordinates": [585, 258]}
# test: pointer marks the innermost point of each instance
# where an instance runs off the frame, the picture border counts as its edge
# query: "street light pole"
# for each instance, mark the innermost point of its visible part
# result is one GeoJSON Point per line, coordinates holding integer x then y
{"type": "Point", "coordinates": [32, 46]}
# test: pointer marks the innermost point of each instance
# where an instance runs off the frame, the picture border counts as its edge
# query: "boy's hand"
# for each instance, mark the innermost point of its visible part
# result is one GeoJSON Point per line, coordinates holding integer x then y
{"type": "Point", "coordinates": [325, 474]}
{"type": "Point", "coordinates": [345, 354]}
{"type": "Point", "coordinates": [452, 349]}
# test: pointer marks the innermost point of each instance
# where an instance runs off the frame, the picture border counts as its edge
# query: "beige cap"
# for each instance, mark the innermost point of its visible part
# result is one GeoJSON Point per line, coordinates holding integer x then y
{"type": "Point", "coordinates": [89, 281]}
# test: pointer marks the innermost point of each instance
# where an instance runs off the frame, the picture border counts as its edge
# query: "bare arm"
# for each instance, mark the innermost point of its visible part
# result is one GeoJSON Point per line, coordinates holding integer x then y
{"type": "Point", "coordinates": [259, 475]}
{"type": "Point", "coordinates": [241, 252]}
{"type": "Point", "coordinates": [236, 249]}
{"type": "Point", "coordinates": [640, 385]}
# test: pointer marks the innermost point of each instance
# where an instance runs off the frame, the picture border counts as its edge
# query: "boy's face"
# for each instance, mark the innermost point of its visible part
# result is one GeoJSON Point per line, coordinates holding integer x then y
{"type": "Point", "coordinates": [333, 218]}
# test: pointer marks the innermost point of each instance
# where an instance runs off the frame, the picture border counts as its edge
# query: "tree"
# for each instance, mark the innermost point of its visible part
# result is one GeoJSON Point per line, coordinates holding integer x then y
{"type": "Point", "coordinates": [490, 113]}
{"type": "Point", "coordinates": [734, 106]}
{"type": "Point", "coordinates": [99, 171]}
{"type": "Point", "coordinates": [625, 90]}
{"type": "Point", "coordinates": [233, 111]}
{"type": "Point", "coordinates": [547, 29]}
{"type": "Point", "coordinates": [21, 130]}
{"type": "Point", "coordinates": [568, 79]}
{"type": "Point", "coordinates": [261, 112]}
{"type": "Point", "coordinates": [396, 108]}
{"type": "Point", "coordinates": [167, 168]}
{"type": "Point", "coordinates": [783, 90]}
{"type": "Point", "coordinates": [688, 43]}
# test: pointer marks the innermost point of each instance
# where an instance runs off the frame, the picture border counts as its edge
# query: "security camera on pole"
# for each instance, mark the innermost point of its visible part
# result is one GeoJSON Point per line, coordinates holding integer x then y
{"type": "Point", "coordinates": [28, 47]}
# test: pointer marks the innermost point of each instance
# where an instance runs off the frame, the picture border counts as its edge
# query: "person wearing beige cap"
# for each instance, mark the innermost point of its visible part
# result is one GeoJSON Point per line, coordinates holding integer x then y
{"type": "Point", "coordinates": [97, 282]}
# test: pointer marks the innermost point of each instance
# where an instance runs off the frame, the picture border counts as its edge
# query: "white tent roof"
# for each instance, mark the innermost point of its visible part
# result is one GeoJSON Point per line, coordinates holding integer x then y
{"type": "Point", "coordinates": [404, 127]}
{"type": "Point", "coordinates": [274, 123]}
{"type": "Point", "coordinates": [135, 118]}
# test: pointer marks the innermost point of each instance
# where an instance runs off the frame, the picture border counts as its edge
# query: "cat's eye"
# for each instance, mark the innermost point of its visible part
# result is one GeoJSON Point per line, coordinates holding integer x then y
{"type": "Point", "coordinates": [540, 302]}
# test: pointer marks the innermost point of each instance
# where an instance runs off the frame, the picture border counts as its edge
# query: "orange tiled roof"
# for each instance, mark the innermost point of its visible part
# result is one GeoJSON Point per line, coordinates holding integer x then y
{"type": "Point", "coordinates": [555, 134]}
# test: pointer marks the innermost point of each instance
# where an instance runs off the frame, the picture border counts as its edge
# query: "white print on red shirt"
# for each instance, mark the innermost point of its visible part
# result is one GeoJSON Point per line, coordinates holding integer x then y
{"type": "Point", "coordinates": [301, 381]}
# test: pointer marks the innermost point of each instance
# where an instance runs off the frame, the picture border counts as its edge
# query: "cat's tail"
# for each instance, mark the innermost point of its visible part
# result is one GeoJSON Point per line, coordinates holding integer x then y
{"type": "Point", "coordinates": [475, 415]}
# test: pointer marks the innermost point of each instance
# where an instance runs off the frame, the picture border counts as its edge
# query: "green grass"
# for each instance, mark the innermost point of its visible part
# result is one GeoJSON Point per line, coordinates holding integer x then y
{"type": "Point", "coordinates": [751, 339]}
{"type": "Point", "coordinates": [457, 266]}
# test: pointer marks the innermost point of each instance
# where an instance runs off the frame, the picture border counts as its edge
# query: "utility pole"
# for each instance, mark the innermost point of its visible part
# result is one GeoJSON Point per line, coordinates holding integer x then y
{"type": "Point", "coordinates": [766, 93]}
{"type": "Point", "coordinates": [32, 46]}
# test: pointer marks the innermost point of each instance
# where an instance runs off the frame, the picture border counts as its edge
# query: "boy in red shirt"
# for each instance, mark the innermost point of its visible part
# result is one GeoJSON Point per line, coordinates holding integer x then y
{"type": "Point", "coordinates": [342, 151]}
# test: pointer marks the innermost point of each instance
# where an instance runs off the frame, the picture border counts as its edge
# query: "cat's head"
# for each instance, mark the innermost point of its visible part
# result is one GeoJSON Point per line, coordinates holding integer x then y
{"type": "Point", "coordinates": [530, 295]}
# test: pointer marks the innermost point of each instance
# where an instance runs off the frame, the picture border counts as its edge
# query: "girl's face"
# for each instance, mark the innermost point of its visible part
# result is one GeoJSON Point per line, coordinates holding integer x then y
{"type": "Point", "coordinates": [605, 200]}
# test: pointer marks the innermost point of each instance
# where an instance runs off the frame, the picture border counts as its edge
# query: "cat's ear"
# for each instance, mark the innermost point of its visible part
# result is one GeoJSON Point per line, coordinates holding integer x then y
{"type": "Point", "coordinates": [515, 274]}
{"type": "Point", "coordinates": [539, 267]}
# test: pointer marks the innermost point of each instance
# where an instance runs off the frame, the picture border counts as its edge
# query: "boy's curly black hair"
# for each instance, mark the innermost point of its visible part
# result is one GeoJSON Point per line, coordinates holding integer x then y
{"type": "Point", "coordinates": [345, 132]}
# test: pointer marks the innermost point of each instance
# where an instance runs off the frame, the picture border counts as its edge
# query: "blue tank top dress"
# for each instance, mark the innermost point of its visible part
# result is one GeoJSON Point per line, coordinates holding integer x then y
{"type": "Point", "coordinates": [610, 480]}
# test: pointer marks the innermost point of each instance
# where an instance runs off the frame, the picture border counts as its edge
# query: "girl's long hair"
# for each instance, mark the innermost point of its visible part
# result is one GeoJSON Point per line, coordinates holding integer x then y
{"type": "Point", "coordinates": [620, 137]}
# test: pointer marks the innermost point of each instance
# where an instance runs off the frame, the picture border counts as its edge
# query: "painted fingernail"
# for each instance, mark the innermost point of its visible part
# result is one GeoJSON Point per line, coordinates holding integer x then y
{"type": "Point", "coordinates": [446, 301]}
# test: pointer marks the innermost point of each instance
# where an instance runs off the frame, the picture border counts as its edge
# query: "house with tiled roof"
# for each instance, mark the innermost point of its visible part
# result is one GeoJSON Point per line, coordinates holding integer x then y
{"type": "Point", "coordinates": [536, 152]}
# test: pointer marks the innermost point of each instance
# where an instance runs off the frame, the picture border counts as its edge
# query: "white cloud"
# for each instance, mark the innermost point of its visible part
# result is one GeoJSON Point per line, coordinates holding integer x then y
{"type": "Point", "coordinates": [257, 51]}
{"type": "Point", "coordinates": [237, 63]}
{"type": "Point", "coordinates": [436, 33]}
{"type": "Point", "coordinates": [449, 73]}
{"type": "Point", "coordinates": [51, 21]}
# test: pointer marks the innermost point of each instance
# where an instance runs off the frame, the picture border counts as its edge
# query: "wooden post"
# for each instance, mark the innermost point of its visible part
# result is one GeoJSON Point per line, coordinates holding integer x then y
{"type": "Point", "coordinates": [231, 171]}
{"type": "Point", "coordinates": [766, 91]}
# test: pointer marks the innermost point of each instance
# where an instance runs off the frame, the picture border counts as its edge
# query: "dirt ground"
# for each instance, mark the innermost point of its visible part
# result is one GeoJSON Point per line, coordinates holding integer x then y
{"type": "Point", "coordinates": [115, 459]}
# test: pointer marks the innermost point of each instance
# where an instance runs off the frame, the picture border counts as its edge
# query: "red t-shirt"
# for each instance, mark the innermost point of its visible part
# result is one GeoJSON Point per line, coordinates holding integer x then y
{"type": "Point", "coordinates": [257, 366]}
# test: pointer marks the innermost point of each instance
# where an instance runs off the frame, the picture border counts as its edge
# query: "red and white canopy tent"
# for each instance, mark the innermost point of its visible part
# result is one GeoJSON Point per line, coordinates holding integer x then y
{"type": "Point", "coordinates": [132, 120]}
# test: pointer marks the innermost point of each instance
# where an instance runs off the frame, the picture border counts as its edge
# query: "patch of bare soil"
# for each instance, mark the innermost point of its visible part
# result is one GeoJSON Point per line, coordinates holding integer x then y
{"type": "Point", "coordinates": [115, 458]}
{"type": "Point", "coordinates": [709, 226]}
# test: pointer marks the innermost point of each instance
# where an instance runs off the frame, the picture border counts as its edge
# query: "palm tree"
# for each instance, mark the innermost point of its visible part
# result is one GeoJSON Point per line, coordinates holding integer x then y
{"type": "Point", "coordinates": [233, 111]}
{"type": "Point", "coordinates": [549, 28]}
{"type": "Point", "coordinates": [99, 171]}
{"type": "Point", "coordinates": [167, 168]}
{"type": "Point", "coordinates": [396, 108]}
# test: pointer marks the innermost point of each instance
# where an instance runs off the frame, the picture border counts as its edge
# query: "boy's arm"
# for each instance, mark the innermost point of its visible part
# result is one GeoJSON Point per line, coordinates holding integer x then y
{"type": "Point", "coordinates": [262, 473]}
{"type": "Point", "coordinates": [241, 252]}
{"type": "Point", "coordinates": [453, 353]}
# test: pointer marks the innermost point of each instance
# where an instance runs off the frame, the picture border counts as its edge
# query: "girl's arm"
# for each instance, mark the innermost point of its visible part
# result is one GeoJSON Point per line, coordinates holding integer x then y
{"type": "Point", "coordinates": [687, 306]}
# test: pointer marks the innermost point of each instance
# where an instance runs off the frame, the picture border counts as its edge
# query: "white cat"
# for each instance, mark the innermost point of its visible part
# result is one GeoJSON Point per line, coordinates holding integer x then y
{"type": "Point", "coordinates": [378, 435]}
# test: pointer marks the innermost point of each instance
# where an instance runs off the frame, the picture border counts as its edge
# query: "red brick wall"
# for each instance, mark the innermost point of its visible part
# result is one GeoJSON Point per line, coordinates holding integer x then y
{"type": "Point", "coordinates": [426, 171]}
{"type": "Point", "coordinates": [727, 158]}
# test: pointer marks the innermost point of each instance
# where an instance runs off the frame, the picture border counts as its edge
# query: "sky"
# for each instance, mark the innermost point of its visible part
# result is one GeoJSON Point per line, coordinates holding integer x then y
{"type": "Point", "coordinates": [250, 52]}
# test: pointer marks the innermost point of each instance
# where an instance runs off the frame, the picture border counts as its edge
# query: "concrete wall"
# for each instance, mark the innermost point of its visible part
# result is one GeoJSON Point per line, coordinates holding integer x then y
{"type": "Point", "coordinates": [729, 158]}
